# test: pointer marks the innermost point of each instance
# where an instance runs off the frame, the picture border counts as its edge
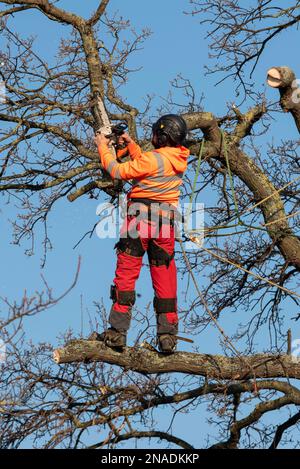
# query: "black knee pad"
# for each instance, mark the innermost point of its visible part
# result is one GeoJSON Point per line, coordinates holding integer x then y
{"type": "Point", "coordinates": [165, 305]}
{"type": "Point", "coordinates": [124, 298]}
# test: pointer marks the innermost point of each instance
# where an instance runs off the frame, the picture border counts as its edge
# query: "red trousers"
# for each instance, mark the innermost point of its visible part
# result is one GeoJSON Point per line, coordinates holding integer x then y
{"type": "Point", "coordinates": [158, 240]}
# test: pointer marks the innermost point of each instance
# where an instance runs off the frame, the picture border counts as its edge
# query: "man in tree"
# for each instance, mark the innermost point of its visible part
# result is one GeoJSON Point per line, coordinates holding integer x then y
{"type": "Point", "coordinates": [149, 227]}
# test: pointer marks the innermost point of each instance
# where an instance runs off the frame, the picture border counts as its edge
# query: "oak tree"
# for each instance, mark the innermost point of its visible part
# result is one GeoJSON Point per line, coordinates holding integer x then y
{"type": "Point", "coordinates": [250, 259]}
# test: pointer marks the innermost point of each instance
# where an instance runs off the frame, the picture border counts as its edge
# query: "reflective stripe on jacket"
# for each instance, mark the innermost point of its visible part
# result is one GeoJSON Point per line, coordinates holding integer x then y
{"type": "Point", "coordinates": [156, 175]}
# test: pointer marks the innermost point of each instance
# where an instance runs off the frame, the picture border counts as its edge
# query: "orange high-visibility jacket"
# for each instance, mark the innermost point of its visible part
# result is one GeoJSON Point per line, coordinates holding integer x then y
{"type": "Point", "coordinates": [156, 175]}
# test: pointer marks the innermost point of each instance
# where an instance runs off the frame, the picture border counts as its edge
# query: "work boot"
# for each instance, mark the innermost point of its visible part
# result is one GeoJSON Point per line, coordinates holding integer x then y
{"type": "Point", "coordinates": [167, 343]}
{"type": "Point", "coordinates": [111, 338]}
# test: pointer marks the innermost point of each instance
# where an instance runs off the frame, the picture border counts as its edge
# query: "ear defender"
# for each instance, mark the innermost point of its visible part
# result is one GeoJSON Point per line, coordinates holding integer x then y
{"type": "Point", "coordinates": [170, 130]}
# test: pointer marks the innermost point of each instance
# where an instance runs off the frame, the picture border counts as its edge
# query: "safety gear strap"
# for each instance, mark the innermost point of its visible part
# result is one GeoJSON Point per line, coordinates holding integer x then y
{"type": "Point", "coordinates": [158, 256]}
{"type": "Point", "coordinates": [131, 246]}
{"type": "Point", "coordinates": [125, 298]}
{"type": "Point", "coordinates": [164, 305]}
{"type": "Point", "coordinates": [152, 210]}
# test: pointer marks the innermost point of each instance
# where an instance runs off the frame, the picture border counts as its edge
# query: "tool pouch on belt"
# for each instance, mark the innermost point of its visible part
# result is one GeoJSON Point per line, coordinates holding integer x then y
{"type": "Point", "coordinates": [158, 256]}
{"type": "Point", "coordinates": [125, 298]}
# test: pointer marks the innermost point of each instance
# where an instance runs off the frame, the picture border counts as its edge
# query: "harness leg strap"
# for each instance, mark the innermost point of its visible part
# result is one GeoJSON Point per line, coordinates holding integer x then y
{"type": "Point", "coordinates": [158, 256]}
{"type": "Point", "coordinates": [131, 246]}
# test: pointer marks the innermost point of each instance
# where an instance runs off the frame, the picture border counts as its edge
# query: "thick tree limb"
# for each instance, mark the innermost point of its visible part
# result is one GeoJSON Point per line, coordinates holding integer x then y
{"type": "Point", "coordinates": [11, 11]}
{"type": "Point", "coordinates": [272, 209]}
{"type": "Point", "coordinates": [51, 11]}
{"type": "Point", "coordinates": [143, 360]}
{"type": "Point", "coordinates": [205, 121]}
{"type": "Point", "coordinates": [284, 79]}
{"type": "Point", "coordinates": [88, 187]}
{"type": "Point", "coordinates": [252, 175]}
{"type": "Point", "coordinates": [253, 417]}
{"type": "Point", "coordinates": [247, 121]}
{"type": "Point", "coordinates": [99, 12]}
{"type": "Point", "coordinates": [282, 428]}
{"type": "Point", "coordinates": [147, 434]}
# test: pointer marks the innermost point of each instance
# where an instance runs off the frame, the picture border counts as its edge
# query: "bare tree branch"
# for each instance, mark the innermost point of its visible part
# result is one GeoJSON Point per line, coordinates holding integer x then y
{"type": "Point", "coordinates": [282, 428]}
{"type": "Point", "coordinates": [147, 434]}
{"type": "Point", "coordinates": [50, 10]}
{"type": "Point", "coordinates": [99, 12]}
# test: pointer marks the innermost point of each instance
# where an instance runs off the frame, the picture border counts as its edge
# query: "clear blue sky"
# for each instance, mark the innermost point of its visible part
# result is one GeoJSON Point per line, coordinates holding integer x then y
{"type": "Point", "coordinates": [177, 45]}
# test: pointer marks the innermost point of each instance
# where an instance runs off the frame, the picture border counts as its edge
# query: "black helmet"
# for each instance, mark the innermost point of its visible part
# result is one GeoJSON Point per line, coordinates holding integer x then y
{"type": "Point", "coordinates": [169, 130]}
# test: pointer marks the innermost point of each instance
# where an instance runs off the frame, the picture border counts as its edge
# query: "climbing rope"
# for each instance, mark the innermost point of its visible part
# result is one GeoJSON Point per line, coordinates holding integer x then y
{"type": "Point", "coordinates": [195, 240]}
{"type": "Point", "coordinates": [227, 340]}
{"type": "Point", "coordinates": [250, 272]}
{"type": "Point", "coordinates": [277, 191]}
{"type": "Point", "coordinates": [195, 182]}
{"type": "Point", "coordinates": [282, 218]}
{"type": "Point", "coordinates": [238, 214]}
{"type": "Point", "coordinates": [230, 178]}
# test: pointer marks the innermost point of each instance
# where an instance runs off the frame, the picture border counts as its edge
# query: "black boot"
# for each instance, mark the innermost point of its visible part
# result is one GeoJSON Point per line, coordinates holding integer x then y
{"type": "Point", "coordinates": [111, 338]}
{"type": "Point", "coordinates": [167, 343]}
